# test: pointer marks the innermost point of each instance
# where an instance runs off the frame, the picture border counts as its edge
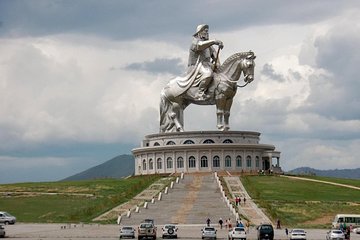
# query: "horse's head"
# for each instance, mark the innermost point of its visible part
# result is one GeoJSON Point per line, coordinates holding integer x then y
{"type": "Point", "coordinates": [248, 67]}
{"type": "Point", "coordinates": [238, 63]}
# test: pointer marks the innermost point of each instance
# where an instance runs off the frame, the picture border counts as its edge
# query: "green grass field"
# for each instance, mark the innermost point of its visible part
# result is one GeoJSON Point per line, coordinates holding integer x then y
{"type": "Point", "coordinates": [299, 203]}
{"type": "Point", "coordinates": [296, 203]}
{"type": "Point", "coordinates": [75, 201]}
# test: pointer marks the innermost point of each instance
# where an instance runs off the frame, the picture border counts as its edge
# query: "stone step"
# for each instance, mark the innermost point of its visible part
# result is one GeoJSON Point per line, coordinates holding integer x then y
{"type": "Point", "coordinates": [194, 199]}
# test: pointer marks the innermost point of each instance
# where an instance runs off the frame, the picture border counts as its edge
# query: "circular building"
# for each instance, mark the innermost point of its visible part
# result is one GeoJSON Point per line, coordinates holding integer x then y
{"type": "Point", "coordinates": [205, 151]}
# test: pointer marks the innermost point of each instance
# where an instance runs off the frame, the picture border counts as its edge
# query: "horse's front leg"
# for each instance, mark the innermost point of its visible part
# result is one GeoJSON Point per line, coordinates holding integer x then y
{"type": "Point", "coordinates": [227, 114]}
{"type": "Point", "coordinates": [220, 114]}
{"type": "Point", "coordinates": [226, 120]}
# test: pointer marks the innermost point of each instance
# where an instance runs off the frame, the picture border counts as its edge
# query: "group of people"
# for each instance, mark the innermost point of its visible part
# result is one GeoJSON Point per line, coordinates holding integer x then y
{"type": "Point", "coordinates": [346, 230]}
{"type": "Point", "coordinates": [228, 223]}
{"type": "Point", "coordinates": [238, 200]}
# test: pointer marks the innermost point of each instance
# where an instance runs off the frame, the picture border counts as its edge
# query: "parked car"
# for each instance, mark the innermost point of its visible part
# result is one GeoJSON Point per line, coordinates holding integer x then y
{"type": "Point", "coordinates": [335, 234]}
{"type": "Point", "coordinates": [169, 231]}
{"type": "Point", "coordinates": [7, 218]}
{"type": "Point", "coordinates": [208, 232]}
{"type": "Point", "coordinates": [146, 230]}
{"type": "Point", "coordinates": [356, 230]}
{"type": "Point", "coordinates": [149, 220]}
{"type": "Point", "coordinates": [265, 231]}
{"type": "Point", "coordinates": [237, 233]}
{"type": "Point", "coordinates": [2, 231]}
{"type": "Point", "coordinates": [127, 232]}
{"type": "Point", "coordinates": [297, 234]}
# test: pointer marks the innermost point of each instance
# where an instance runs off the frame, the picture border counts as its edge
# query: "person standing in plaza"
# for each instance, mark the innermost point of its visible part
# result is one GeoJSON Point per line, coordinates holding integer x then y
{"type": "Point", "coordinates": [208, 221]}
{"type": "Point", "coordinates": [221, 223]}
{"type": "Point", "coordinates": [230, 224]}
{"type": "Point", "coordinates": [247, 226]}
{"type": "Point", "coordinates": [278, 225]}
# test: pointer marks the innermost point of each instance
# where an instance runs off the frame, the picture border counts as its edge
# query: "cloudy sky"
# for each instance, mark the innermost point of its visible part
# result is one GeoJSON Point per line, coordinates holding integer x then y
{"type": "Point", "coordinates": [80, 80]}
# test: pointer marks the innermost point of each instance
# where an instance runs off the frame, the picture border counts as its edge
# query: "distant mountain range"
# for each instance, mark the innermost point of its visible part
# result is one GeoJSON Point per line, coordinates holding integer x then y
{"type": "Point", "coordinates": [124, 166]}
{"type": "Point", "coordinates": [337, 173]}
{"type": "Point", "coordinates": [118, 167]}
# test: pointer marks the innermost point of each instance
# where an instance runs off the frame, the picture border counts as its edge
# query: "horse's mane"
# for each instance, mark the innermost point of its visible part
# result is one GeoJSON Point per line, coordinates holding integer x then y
{"type": "Point", "coordinates": [230, 59]}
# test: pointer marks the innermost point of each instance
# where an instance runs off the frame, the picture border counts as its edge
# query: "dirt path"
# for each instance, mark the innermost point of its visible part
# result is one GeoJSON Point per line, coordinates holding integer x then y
{"type": "Point", "coordinates": [321, 181]}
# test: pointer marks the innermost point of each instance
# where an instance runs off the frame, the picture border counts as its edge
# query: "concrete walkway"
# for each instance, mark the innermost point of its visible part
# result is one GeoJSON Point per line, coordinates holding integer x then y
{"type": "Point", "coordinates": [145, 196]}
{"type": "Point", "coordinates": [248, 209]}
{"type": "Point", "coordinates": [191, 201]}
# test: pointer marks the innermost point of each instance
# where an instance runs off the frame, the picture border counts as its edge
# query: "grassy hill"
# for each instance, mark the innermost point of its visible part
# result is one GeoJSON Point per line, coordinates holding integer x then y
{"type": "Point", "coordinates": [118, 167]}
{"type": "Point", "coordinates": [69, 201]}
{"type": "Point", "coordinates": [299, 203]}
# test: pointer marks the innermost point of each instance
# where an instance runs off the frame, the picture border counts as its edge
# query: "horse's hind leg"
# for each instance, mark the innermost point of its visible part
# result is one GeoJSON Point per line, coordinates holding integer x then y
{"type": "Point", "coordinates": [178, 126]}
{"type": "Point", "coordinates": [176, 116]}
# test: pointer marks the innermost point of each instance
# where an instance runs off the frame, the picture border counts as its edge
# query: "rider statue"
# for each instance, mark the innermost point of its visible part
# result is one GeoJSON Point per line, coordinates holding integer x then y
{"type": "Point", "coordinates": [203, 53]}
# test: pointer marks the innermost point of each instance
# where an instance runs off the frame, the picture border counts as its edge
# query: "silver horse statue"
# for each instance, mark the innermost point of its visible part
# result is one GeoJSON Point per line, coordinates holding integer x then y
{"type": "Point", "coordinates": [181, 91]}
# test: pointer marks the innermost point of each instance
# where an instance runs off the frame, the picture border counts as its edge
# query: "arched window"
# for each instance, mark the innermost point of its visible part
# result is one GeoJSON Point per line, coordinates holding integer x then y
{"type": "Point", "coordinates": [204, 162]}
{"type": "Point", "coordinates": [209, 141]}
{"type": "Point", "coordinates": [192, 162]}
{"type": "Point", "coordinates": [169, 162]}
{"type": "Point", "coordinates": [248, 161]}
{"type": "Point", "coordinates": [144, 164]}
{"type": "Point", "coordinates": [159, 163]}
{"type": "Point", "coordinates": [238, 161]}
{"type": "Point", "coordinates": [189, 142]}
{"type": "Point", "coordinates": [156, 144]}
{"type": "Point", "coordinates": [180, 162]}
{"type": "Point", "coordinates": [227, 161]}
{"type": "Point", "coordinates": [228, 141]}
{"type": "Point", "coordinates": [216, 161]}
{"type": "Point", "coordinates": [151, 164]}
{"type": "Point", "coordinates": [170, 143]}
{"type": "Point", "coordinates": [257, 161]}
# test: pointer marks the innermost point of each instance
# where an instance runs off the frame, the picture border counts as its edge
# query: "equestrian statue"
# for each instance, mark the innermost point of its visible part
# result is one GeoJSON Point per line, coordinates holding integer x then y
{"type": "Point", "coordinates": [205, 83]}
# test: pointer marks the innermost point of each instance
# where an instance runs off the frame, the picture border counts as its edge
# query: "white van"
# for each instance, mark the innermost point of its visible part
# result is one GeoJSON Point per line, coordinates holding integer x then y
{"type": "Point", "coordinates": [349, 219]}
{"type": "Point", "coordinates": [7, 218]}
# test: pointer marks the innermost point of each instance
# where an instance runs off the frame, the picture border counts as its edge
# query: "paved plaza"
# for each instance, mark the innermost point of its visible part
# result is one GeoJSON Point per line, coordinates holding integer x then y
{"type": "Point", "coordinates": [95, 231]}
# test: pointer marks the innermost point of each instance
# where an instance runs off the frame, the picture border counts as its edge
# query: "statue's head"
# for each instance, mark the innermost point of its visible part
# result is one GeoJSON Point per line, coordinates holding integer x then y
{"type": "Point", "coordinates": [202, 31]}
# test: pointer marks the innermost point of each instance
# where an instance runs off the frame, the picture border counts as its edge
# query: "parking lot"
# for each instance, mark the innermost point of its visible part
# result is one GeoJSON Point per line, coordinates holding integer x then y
{"type": "Point", "coordinates": [94, 231]}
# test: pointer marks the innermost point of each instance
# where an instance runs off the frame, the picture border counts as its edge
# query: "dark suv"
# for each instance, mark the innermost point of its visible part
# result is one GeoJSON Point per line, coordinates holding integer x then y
{"type": "Point", "coordinates": [265, 231]}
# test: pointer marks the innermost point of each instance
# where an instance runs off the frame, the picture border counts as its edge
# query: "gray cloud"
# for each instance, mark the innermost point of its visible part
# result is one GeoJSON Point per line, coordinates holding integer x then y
{"type": "Point", "coordinates": [173, 66]}
{"type": "Point", "coordinates": [336, 95]}
{"type": "Point", "coordinates": [135, 19]}
{"type": "Point", "coordinates": [268, 70]}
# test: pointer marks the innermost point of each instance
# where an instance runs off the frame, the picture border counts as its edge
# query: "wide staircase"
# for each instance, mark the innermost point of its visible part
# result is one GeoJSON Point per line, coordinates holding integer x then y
{"type": "Point", "coordinates": [191, 201]}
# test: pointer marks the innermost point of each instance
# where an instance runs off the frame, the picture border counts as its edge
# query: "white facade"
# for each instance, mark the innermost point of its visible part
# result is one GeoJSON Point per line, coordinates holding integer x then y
{"type": "Point", "coordinates": [205, 151]}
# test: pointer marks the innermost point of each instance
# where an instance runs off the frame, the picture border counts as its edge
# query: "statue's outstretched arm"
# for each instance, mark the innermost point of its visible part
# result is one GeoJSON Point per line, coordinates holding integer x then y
{"type": "Point", "coordinates": [208, 43]}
